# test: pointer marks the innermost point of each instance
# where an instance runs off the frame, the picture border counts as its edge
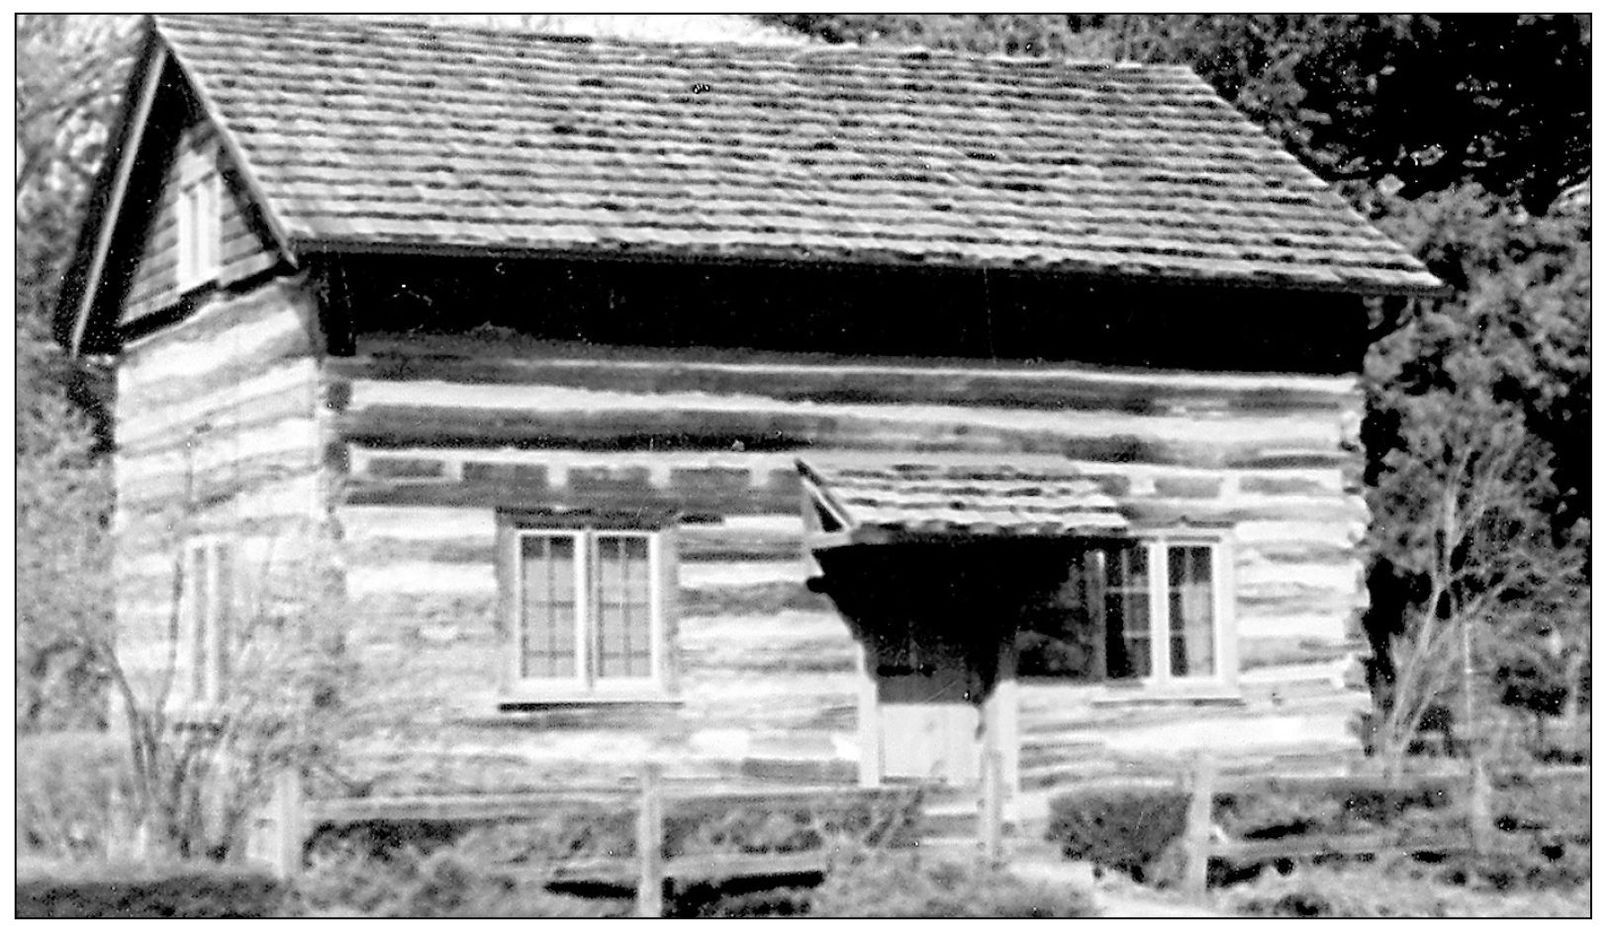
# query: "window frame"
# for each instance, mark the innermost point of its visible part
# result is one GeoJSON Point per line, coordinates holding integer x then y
{"type": "Point", "coordinates": [198, 220]}
{"type": "Point", "coordinates": [205, 633]}
{"type": "Point", "coordinates": [1222, 562]}
{"type": "Point", "coordinates": [586, 684]}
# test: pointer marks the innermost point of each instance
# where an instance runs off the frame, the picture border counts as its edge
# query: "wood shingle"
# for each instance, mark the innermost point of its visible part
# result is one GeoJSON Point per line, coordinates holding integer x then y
{"type": "Point", "coordinates": [391, 136]}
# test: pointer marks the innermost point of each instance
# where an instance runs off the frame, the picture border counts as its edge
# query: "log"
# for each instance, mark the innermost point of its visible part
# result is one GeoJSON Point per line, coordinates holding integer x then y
{"type": "Point", "coordinates": [718, 429]}
{"type": "Point", "coordinates": [286, 385]}
{"type": "Point", "coordinates": [227, 319]}
{"type": "Point", "coordinates": [1052, 389]}
{"type": "Point", "coordinates": [760, 499]}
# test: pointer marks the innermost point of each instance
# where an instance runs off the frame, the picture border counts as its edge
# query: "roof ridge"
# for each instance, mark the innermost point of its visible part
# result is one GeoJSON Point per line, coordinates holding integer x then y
{"type": "Point", "coordinates": [372, 22]}
{"type": "Point", "coordinates": [804, 48]}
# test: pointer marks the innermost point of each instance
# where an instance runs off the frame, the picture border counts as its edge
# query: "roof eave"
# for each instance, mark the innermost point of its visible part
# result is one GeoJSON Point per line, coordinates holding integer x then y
{"type": "Point", "coordinates": [334, 245]}
{"type": "Point", "coordinates": [77, 298]}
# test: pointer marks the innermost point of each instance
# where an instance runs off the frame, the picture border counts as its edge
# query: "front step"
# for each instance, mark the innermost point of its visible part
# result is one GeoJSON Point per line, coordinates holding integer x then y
{"type": "Point", "coordinates": [951, 814]}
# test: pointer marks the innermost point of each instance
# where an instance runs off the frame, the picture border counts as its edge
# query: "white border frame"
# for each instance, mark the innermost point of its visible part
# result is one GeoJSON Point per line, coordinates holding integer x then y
{"type": "Point", "coordinates": [217, 587]}
{"type": "Point", "coordinates": [586, 685]}
{"type": "Point", "coordinates": [1221, 544]}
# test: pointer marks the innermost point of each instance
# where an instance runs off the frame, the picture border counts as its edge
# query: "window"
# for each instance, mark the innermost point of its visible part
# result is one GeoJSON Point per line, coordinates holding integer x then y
{"type": "Point", "coordinates": [587, 611]}
{"type": "Point", "coordinates": [198, 223]}
{"type": "Point", "coordinates": [1153, 609]}
{"type": "Point", "coordinates": [206, 622]}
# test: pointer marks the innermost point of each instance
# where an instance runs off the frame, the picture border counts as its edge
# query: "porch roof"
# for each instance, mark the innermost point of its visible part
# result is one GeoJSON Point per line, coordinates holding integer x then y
{"type": "Point", "coordinates": [864, 504]}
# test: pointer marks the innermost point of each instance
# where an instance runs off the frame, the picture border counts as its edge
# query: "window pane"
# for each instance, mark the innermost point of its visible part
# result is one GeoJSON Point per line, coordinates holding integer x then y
{"type": "Point", "coordinates": [1191, 611]}
{"type": "Point", "coordinates": [1127, 614]}
{"type": "Point", "coordinates": [1062, 637]}
{"type": "Point", "coordinates": [548, 606]}
{"type": "Point", "coordinates": [623, 623]}
{"type": "Point", "coordinates": [210, 233]}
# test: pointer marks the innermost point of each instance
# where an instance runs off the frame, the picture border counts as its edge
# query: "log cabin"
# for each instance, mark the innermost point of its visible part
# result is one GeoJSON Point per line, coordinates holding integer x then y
{"type": "Point", "coordinates": [819, 412]}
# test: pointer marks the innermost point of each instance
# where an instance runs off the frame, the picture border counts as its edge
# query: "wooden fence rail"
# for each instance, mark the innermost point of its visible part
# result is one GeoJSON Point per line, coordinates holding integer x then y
{"type": "Point", "coordinates": [279, 834]}
{"type": "Point", "coordinates": [1472, 784]}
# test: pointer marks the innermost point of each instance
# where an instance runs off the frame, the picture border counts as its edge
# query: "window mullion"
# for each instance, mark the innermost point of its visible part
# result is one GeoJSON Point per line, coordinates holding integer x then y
{"type": "Point", "coordinates": [1224, 629]}
{"type": "Point", "coordinates": [656, 631]}
{"type": "Point", "coordinates": [586, 649]}
{"type": "Point", "coordinates": [1158, 606]}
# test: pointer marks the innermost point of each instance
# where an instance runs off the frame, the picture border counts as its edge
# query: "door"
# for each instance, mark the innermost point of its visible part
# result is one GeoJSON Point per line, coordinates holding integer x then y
{"type": "Point", "coordinates": [929, 719]}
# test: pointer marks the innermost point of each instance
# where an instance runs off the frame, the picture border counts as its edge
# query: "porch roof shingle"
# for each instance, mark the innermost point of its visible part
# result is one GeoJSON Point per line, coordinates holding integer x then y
{"type": "Point", "coordinates": [982, 501]}
{"type": "Point", "coordinates": [388, 135]}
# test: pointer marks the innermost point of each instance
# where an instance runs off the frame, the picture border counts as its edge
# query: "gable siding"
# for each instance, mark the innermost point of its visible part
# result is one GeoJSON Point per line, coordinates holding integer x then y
{"type": "Point", "coordinates": [218, 436]}
{"type": "Point", "coordinates": [768, 669]}
{"type": "Point", "coordinates": [243, 251]}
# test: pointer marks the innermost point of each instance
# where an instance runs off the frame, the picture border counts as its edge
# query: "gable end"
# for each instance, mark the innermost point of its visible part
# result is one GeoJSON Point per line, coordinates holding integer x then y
{"type": "Point", "coordinates": [123, 269]}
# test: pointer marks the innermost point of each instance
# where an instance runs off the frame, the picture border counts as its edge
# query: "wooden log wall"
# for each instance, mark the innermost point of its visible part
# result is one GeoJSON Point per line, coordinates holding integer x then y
{"type": "Point", "coordinates": [218, 435]}
{"type": "Point", "coordinates": [433, 442]}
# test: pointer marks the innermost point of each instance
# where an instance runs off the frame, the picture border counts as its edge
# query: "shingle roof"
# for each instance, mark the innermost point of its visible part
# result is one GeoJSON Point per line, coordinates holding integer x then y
{"type": "Point", "coordinates": [984, 501]}
{"type": "Point", "coordinates": [391, 135]}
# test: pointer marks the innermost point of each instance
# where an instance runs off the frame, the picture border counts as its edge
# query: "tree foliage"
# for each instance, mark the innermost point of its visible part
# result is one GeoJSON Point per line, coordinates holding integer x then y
{"type": "Point", "coordinates": [68, 77]}
{"type": "Point", "coordinates": [1478, 428]}
{"type": "Point", "coordinates": [63, 515]}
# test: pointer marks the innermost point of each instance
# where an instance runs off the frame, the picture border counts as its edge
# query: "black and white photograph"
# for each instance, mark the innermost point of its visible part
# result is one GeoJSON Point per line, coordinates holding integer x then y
{"type": "Point", "coordinates": [839, 465]}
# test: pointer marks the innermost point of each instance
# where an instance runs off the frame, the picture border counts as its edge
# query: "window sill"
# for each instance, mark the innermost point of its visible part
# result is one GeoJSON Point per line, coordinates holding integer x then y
{"type": "Point", "coordinates": [1122, 695]}
{"type": "Point", "coordinates": [535, 704]}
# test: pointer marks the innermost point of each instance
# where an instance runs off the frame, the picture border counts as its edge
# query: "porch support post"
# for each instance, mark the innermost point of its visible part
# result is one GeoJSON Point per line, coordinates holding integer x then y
{"type": "Point", "coordinates": [872, 772]}
{"type": "Point", "coordinates": [1001, 720]}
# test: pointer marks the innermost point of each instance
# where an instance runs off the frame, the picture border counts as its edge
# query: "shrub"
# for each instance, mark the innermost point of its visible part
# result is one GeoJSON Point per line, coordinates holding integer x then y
{"type": "Point", "coordinates": [778, 895]}
{"type": "Point", "coordinates": [867, 821]}
{"type": "Point", "coordinates": [1396, 816]}
{"type": "Point", "coordinates": [1543, 835]}
{"type": "Point", "coordinates": [64, 786]}
{"type": "Point", "coordinates": [467, 877]}
{"type": "Point", "coordinates": [1122, 829]}
{"type": "Point", "coordinates": [906, 885]}
{"type": "Point", "coordinates": [134, 890]}
{"type": "Point", "coordinates": [1384, 890]}
{"type": "Point", "coordinates": [560, 835]}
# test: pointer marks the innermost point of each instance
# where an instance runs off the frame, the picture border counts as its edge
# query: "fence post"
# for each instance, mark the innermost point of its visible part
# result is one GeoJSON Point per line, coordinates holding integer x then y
{"type": "Point", "coordinates": [120, 825]}
{"type": "Point", "coordinates": [651, 848]}
{"type": "Point", "coordinates": [1199, 821]}
{"type": "Point", "coordinates": [990, 811]}
{"type": "Point", "coordinates": [290, 827]}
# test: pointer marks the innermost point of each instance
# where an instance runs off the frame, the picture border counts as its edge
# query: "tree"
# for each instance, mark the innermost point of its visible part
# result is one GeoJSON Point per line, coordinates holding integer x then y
{"type": "Point", "coordinates": [68, 77]}
{"type": "Point", "coordinates": [1478, 411]}
{"type": "Point", "coordinates": [198, 772]}
{"type": "Point", "coordinates": [63, 562]}
{"type": "Point", "coordinates": [1465, 494]}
